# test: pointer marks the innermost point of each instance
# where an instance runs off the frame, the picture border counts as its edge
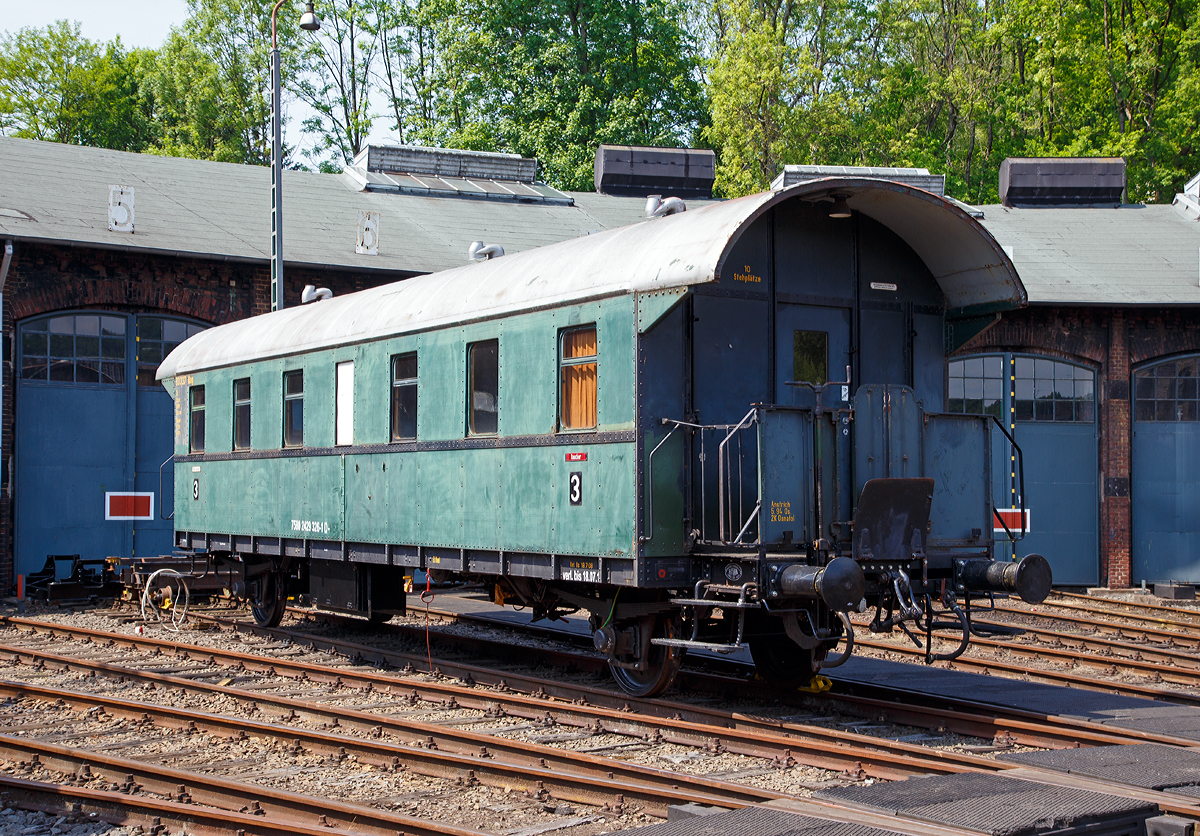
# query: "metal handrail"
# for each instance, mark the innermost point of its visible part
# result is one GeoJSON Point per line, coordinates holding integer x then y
{"type": "Point", "coordinates": [723, 465]}
{"type": "Point", "coordinates": [170, 459]}
{"type": "Point", "coordinates": [650, 478]}
{"type": "Point", "coordinates": [1021, 482]}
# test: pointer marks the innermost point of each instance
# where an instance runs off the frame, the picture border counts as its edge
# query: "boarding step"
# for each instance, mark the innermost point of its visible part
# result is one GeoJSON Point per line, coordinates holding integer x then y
{"type": "Point", "coordinates": [711, 647]}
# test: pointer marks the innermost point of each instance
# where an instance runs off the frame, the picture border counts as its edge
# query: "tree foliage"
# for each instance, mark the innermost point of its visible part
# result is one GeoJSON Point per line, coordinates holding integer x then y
{"type": "Point", "coordinates": [952, 85]}
{"type": "Point", "coordinates": [956, 86]}
{"type": "Point", "coordinates": [58, 86]}
{"type": "Point", "coordinates": [211, 83]}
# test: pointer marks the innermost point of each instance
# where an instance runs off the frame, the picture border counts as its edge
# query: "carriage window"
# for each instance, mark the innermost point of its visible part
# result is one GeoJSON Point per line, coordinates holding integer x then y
{"type": "Point", "coordinates": [975, 386]}
{"type": "Point", "coordinates": [404, 396]}
{"type": "Point", "coordinates": [343, 421]}
{"type": "Point", "coordinates": [577, 407]}
{"type": "Point", "coordinates": [1051, 391]}
{"type": "Point", "coordinates": [196, 442]}
{"type": "Point", "coordinates": [483, 365]}
{"type": "Point", "coordinates": [241, 414]}
{"type": "Point", "coordinates": [810, 357]}
{"type": "Point", "coordinates": [1168, 391]}
{"type": "Point", "coordinates": [293, 409]}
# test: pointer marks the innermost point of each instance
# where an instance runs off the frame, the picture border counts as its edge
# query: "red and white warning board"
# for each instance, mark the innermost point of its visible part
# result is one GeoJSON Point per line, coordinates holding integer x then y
{"type": "Point", "coordinates": [1010, 517]}
{"type": "Point", "coordinates": [128, 506]}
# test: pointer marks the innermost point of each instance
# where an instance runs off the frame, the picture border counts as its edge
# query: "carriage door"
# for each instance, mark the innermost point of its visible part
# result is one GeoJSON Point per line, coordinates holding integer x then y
{"type": "Point", "coordinates": [1050, 408]}
{"type": "Point", "coordinates": [813, 346]}
{"type": "Point", "coordinates": [1166, 482]}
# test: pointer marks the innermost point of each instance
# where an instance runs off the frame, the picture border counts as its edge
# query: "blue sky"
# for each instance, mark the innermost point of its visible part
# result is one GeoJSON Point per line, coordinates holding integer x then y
{"type": "Point", "coordinates": [143, 23]}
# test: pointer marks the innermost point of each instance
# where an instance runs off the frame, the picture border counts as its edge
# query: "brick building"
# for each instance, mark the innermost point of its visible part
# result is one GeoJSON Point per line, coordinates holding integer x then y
{"type": "Point", "coordinates": [1096, 378]}
{"type": "Point", "coordinates": [90, 310]}
{"type": "Point", "coordinates": [1113, 476]}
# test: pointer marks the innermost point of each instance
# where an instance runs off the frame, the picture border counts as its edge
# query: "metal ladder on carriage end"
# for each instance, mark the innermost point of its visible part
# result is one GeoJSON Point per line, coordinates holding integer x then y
{"type": "Point", "coordinates": [698, 600]}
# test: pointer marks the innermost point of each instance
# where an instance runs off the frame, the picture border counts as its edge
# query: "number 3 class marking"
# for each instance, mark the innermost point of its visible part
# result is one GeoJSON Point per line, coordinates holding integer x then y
{"type": "Point", "coordinates": [575, 488]}
{"type": "Point", "coordinates": [195, 489]}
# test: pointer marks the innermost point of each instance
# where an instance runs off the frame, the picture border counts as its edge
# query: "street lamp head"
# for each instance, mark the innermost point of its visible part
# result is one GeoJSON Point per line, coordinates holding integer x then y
{"type": "Point", "coordinates": [309, 20]}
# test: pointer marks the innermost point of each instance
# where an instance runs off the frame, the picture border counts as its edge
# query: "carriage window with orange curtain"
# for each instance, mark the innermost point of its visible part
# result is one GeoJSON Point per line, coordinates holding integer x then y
{"type": "Point", "coordinates": [577, 404]}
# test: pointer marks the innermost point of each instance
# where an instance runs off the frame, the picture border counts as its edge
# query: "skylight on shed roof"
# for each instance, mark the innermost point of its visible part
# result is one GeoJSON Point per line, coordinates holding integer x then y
{"type": "Point", "coordinates": [447, 172]}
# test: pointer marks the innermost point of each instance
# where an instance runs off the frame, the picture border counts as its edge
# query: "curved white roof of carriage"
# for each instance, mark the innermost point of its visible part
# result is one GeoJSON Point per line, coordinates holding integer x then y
{"type": "Point", "coordinates": [679, 250]}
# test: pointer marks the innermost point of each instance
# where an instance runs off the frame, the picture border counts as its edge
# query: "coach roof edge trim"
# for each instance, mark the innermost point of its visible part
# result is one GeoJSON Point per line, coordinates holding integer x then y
{"type": "Point", "coordinates": [676, 251]}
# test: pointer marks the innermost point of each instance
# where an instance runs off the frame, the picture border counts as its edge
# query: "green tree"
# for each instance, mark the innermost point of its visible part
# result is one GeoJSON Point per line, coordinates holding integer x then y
{"type": "Point", "coordinates": [58, 86]}
{"type": "Point", "coordinates": [339, 78]}
{"type": "Point", "coordinates": [211, 84]}
{"type": "Point", "coordinates": [555, 79]}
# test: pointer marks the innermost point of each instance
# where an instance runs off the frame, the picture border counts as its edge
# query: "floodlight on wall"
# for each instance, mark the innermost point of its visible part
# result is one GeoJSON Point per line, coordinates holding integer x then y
{"type": "Point", "coordinates": [309, 21]}
{"type": "Point", "coordinates": [841, 209]}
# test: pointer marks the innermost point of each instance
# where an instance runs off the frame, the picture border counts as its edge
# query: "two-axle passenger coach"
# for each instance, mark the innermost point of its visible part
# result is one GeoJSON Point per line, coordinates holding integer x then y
{"type": "Point", "coordinates": [714, 429]}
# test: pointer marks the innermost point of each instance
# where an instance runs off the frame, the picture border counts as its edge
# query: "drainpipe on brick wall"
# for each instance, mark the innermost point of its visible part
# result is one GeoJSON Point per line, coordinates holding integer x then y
{"type": "Point", "coordinates": [8, 251]}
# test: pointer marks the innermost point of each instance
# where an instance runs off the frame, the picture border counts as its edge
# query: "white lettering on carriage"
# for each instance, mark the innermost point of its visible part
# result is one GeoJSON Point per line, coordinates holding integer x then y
{"type": "Point", "coordinates": [310, 527]}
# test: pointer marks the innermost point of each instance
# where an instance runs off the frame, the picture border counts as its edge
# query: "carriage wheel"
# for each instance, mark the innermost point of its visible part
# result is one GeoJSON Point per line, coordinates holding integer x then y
{"type": "Point", "coordinates": [663, 664]}
{"type": "Point", "coordinates": [781, 662]}
{"type": "Point", "coordinates": [268, 605]}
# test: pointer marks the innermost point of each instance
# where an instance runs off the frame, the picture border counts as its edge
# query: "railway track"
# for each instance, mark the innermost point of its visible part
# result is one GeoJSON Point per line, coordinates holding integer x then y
{"type": "Point", "coordinates": [454, 754]}
{"type": "Point", "coordinates": [150, 813]}
{"type": "Point", "coordinates": [777, 741]}
{"type": "Point", "coordinates": [1025, 728]}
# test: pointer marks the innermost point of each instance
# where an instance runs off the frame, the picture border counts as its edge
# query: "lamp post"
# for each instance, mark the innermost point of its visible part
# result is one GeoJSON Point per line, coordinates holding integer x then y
{"type": "Point", "coordinates": [311, 23]}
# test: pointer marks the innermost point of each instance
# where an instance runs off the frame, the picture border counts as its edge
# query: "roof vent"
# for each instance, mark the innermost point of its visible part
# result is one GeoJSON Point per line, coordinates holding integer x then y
{"type": "Point", "coordinates": [312, 293]}
{"type": "Point", "coordinates": [478, 251]}
{"type": "Point", "coordinates": [1062, 181]}
{"type": "Point", "coordinates": [446, 162]}
{"type": "Point", "coordinates": [632, 171]}
{"type": "Point", "coordinates": [919, 178]}
{"type": "Point", "coordinates": [450, 172]}
{"type": "Point", "coordinates": [656, 207]}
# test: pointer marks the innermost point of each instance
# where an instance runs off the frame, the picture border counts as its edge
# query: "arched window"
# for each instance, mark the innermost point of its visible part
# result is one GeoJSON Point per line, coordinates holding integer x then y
{"type": "Point", "coordinates": [1167, 391]}
{"type": "Point", "coordinates": [1042, 390]}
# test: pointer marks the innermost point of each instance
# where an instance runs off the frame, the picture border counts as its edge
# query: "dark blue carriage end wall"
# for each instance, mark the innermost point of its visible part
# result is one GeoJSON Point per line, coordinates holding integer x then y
{"type": "Point", "coordinates": [1114, 341]}
{"type": "Point", "coordinates": [794, 268]}
{"type": "Point", "coordinates": [843, 267]}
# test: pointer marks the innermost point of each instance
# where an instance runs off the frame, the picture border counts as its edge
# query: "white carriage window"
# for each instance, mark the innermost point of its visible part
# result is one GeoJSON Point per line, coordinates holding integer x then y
{"type": "Point", "coordinates": [577, 405]}
{"type": "Point", "coordinates": [344, 420]}
{"type": "Point", "coordinates": [196, 426]}
{"type": "Point", "coordinates": [1167, 391]}
{"type": "Point", "coordinates": [404, 396]}
{"type": "Point", "coordinates": [241, 414]}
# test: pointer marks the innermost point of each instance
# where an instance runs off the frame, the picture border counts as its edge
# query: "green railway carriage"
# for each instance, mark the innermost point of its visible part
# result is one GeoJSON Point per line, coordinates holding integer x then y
{"type": "Point", "coordinates": [649, 424]}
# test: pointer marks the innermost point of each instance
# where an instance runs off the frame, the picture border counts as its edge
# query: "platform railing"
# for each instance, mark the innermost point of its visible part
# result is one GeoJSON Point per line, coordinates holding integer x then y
{"type": "Point", "coordinates": [737, 479]}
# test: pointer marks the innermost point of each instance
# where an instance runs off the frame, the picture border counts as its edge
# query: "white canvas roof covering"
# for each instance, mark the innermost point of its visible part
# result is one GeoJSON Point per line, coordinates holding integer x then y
{"type": "Point", "coordinates": [678, 250]}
